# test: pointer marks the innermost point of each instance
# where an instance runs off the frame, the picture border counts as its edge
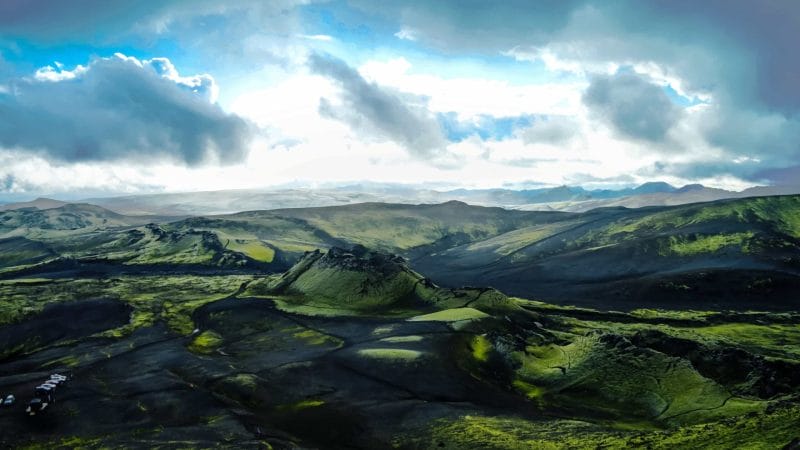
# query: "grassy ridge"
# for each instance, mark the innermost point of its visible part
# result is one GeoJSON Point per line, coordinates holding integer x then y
{"type": "Point", "coordinates": [636, 257]}
{"type": "Point", "coordinates": [398, 228]}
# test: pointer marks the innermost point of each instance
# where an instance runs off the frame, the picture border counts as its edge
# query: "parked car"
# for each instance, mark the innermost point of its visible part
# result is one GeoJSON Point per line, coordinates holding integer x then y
{"type": "Point", "coordinates": [8, 400]}
{"type": "Point", "coordinates": [59, 376]}
{"type": "Point", "coordinates": [45, 393]}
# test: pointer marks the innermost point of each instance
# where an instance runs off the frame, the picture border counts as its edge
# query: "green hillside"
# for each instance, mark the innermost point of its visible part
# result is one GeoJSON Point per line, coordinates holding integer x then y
{"type": "Point", "coordinates": [69, 219]}
{"type": "Point", "coordinates": [741, 252]}
{"type": "Point", "coordinates": [647, 254]}
{"type": "Point", "coordinates": [400, 228]}
{"type": "Point", "coordinates": [363, 281]}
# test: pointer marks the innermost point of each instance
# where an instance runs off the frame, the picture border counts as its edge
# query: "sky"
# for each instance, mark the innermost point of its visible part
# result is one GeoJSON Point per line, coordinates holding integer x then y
{"type": "Point", "coordinates": [110, 97]}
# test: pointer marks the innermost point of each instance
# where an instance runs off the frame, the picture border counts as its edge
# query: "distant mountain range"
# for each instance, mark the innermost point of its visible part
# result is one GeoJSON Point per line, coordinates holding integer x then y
{"type": "Point", "coordinates": [560, 198]}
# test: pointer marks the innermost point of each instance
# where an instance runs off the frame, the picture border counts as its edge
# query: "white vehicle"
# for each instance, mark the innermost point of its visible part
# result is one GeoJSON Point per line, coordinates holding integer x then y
{"type": "Point", "coordinates": [45, 393]}
{"type": "Point", "coordinates": [52, 387]}
{"type": "Point", "coordinates": [9, 400]}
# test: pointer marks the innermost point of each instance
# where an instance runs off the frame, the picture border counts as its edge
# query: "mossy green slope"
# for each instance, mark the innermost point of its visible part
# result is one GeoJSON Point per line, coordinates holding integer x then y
{"type": "Point", "coordinates": [360, 280]}
{"type": "Point", "coordinates": [20, 251]}
{"type": "Point", "coordinates": [607, 374]}
{"type": "Point", "coordinates": [619, 254]}
{"type": "Point", "coordinates": [399, 228]}
{"type": "Point", "coordinates": [772, 430]}
{"type": "Point", "coordinates": [66, 220]}
{"type": "Point", "coordinates": [353, 280]}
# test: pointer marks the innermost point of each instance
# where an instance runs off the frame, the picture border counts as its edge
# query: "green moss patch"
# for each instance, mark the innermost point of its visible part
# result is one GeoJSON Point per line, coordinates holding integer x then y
{"type": "Point", "coordinates": [391, 354]}
{"type": "Point", "coordinates": [451, 315]}
{"type": "Point", "coordinates": [206, 342]}
{"type": "Point", "coordinates": [480, 347]}
{"type": "Point", "coordinates": [775, 429]}
{"type": "Point", "coordinates": [709, 243]}
{"type": "Point", "coordinates": [401, 339]}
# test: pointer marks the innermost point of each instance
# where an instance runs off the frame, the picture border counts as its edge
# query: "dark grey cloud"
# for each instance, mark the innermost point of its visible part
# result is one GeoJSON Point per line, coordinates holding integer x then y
{"type": "Point", "coordinates": [768, 30]}
{"type": "Point", "coordinates": [746, 133]}
{"type": "Point", "coordinates": [58, 19]}
{"type": "Point", "coordinates": [528, 162]}
{"type": "Point", "coordinates": [739, 52]}
{"type": "Point", "coordinates": [787, 176]}
{"type": "Point", "coordinates": [90, 20]}
{"type": "Point", "coordinates": [752, 43]}
{"type": "Point", "coordinates": [7, 183]}
{"type": "Point", "coordinates": [456, 25]}
{"type": "Point", "coordinates": [632, 105]}
{"type": "Point", "coordinates": [120, 109]}
{"type": "Point", "coordinates": [380, 111]}
{"type": "Point", "coordinates": [703, 169]}
{"type": "Point", "coordinates": [554, 130]}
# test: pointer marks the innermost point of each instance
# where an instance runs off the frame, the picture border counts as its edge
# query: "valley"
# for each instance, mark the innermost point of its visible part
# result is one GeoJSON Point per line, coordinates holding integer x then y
{"type": "Point", "coordinates": [405, 326]}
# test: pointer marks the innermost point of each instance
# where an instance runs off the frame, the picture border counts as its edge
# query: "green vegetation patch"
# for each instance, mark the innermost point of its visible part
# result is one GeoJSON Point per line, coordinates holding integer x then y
{"type": "Point", "coordinates": [171, 299]}
{"type": "Point", "coordinates": [245, 380]}
{"type": "Point", "coordinates": [313, 337]}
{"type": "Point", "coordinates": [708, 243]}
{"type": "Point", "coordinates": [480, 347]}
{"type": "Point", "coordinates": [451, 315]}
{"type": "Point", "coordinates": [609, 375]}
{"type": "Point", "coordinates": [775, 340]}
{"type": "Point", "coordinates": [247, 244]}
{"type": "Point", "coordinates": [353, 289]}
{"type": "Point", "coordinates": [744, 221]}
{"type": "Point", "coordinates": [508, 243]}
{"type": "Point", "coordinates": [391, 354]}
{"type": "Point", "coordinates": [774, 429]}
{"type": "Point", "coordinates": [301, 405]}
{"type": "Point", "coordinates": [206, 342]}
{"type": "Point", "coordinates": [401, 339]}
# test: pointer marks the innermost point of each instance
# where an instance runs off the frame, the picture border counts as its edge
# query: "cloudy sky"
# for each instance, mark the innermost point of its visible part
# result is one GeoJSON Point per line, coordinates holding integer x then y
{"type": "Point", "coordinates": [101, 97]}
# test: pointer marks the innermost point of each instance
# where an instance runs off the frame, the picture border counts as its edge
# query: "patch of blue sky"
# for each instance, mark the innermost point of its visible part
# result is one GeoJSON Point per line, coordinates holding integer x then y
{"type": "Point", "coordinates": [672, 94]}
{"type": "Point", "coordinates": [338, 20]}
{"type": "Point", "coordinates": [679, 99]}
{"type": "Point", "coordinates": [486, 127]}
{"type": "Point", "coordinates": [27, 57]}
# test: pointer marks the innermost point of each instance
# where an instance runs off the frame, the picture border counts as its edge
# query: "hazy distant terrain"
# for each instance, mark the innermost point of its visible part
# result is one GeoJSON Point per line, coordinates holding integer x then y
{"type": "Point", "coordinates": [563, 198]}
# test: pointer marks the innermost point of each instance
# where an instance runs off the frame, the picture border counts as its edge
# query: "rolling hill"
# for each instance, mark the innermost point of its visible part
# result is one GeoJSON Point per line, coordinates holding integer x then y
{"type": "Point", "coordinates": [66, 219]}
{"type": "Point", "coordinates": [738, 253]}
{"type": "Point", "coordinates": [743, 251]}
{"type": "Point", "coordinates": [401, 228]}
{"type": "Point", "coordinates": [39, 203]}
